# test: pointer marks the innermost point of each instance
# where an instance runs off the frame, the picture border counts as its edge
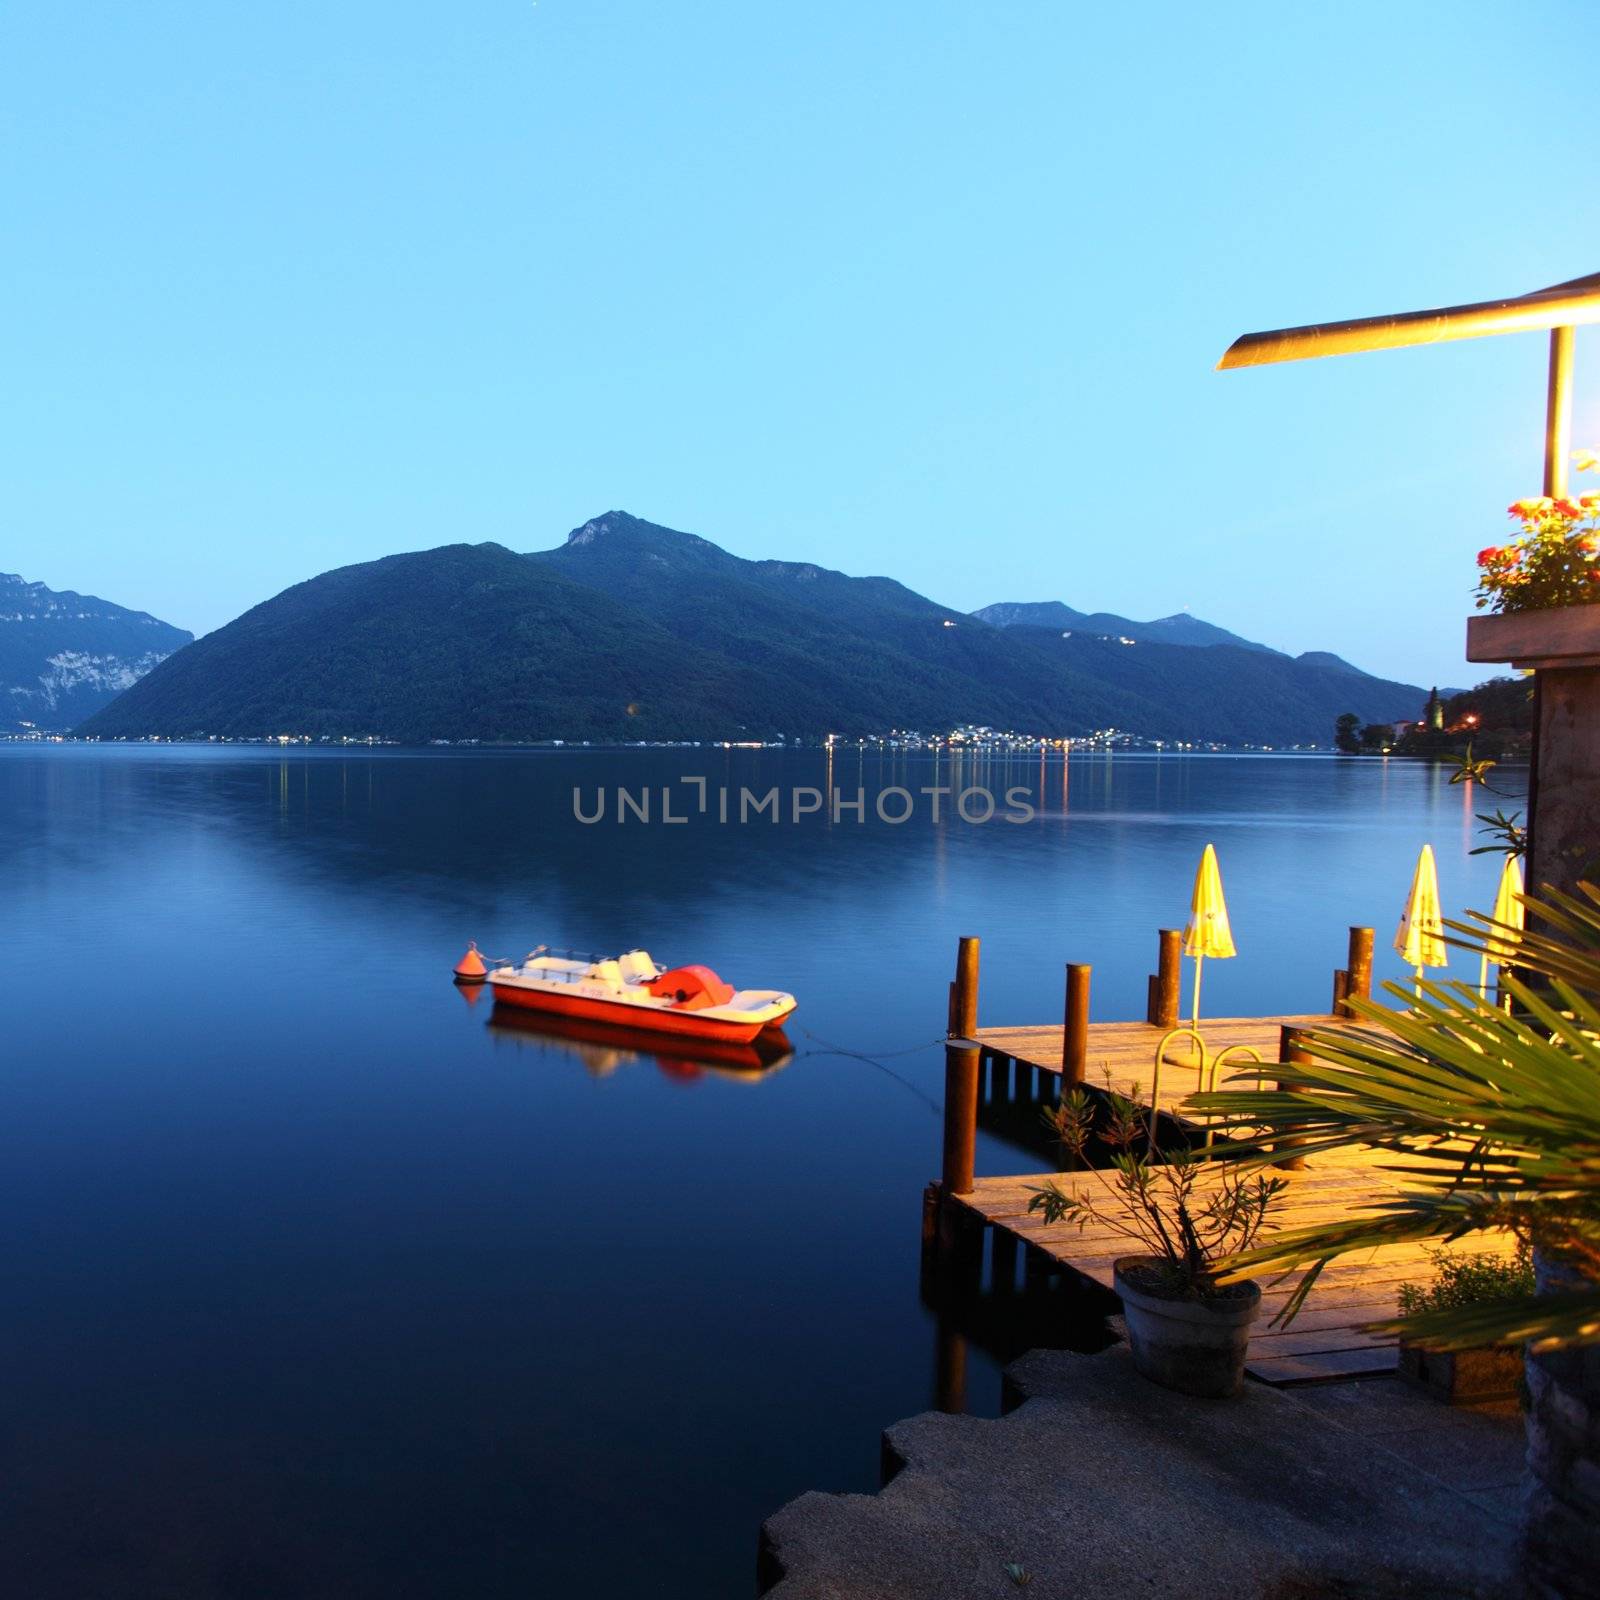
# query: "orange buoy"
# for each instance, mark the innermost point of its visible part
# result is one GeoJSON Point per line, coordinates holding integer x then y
{"type": "Point", "coordinates": [470, 968]}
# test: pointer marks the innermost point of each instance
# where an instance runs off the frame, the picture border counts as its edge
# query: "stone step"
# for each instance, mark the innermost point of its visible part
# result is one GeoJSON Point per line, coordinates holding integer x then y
{"type": "Point", "coordinates": [1102, 1484]}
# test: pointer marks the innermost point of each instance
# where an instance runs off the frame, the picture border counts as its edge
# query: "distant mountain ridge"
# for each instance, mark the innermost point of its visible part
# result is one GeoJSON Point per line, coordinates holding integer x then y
{"type": "Point", "coordinates": [1326, 658]}
{"type": "Point", "coordinates": [630, 630]}
{"type": "Point", "coordinates": [1181, 628]}
{"type": "Point", "coordinates": [64, 655]}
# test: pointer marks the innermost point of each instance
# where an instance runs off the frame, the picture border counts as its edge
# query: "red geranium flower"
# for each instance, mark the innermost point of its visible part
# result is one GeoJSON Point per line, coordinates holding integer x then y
{"type": "Point", "coordinates": [1487, 555]}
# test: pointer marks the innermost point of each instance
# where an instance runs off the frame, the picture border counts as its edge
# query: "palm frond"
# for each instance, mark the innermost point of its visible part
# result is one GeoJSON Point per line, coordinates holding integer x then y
{"type": "Point", "coordinates": [1490, 1117]}
{"type": "Point", "coordinates": [1547, 1321]}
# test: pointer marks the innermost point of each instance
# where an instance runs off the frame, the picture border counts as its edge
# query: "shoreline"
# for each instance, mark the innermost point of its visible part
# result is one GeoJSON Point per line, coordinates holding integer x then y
{"type": "Point", "coordinates": [1053, 748]}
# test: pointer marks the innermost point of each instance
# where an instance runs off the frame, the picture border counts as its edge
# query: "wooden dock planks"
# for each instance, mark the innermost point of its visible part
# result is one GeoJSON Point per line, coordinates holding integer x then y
{"type": "Point", "coordinates": [1123, 1053]}
{"type": "Point", "coordinates": [1327, 1339]}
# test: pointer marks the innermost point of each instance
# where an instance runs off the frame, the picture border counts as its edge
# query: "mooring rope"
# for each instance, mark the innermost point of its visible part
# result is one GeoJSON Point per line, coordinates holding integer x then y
{"type": "Point", "coordinates": [828, 1048]}
{"type": "Point", "coordinates": [874, 1056]}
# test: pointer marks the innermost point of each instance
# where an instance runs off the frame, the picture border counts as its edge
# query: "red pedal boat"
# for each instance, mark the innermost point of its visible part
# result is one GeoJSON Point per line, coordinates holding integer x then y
{"type": "Point", "coordinates": [631, 991]}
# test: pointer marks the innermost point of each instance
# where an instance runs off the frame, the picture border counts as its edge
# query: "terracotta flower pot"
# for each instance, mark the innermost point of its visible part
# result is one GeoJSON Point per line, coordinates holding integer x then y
{"type": "Point", "coordinates": [1562, 644]}
{"type": "Point", "coordinates": [1193, 1343]}
{"type": "Point", "coordinates": [1560, 636]}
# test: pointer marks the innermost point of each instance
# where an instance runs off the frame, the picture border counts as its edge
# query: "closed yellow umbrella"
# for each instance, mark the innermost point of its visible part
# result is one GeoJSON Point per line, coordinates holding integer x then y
{"type": "Point", "coordinates": [1420, 936]}
{"type": "Point", "coordinates": [1508, 914]}
{"type": "Point", "coordinates": [1207, 933]}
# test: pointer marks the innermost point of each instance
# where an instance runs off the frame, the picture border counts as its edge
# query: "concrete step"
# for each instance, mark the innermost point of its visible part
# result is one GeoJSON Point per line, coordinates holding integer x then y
{"type": "Point", "coordinates": [1102, 1484]}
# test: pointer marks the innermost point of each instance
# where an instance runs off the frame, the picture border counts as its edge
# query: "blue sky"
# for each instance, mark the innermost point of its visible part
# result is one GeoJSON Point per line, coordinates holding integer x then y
{"type": "Point", "coordinates": [931, 290]}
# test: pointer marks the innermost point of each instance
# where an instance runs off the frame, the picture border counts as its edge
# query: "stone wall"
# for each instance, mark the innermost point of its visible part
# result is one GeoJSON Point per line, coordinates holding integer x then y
{"type": "Point", "coordinates": [1561, 1523]}
{"type": "Point", "coordinates": [1561, 1550]}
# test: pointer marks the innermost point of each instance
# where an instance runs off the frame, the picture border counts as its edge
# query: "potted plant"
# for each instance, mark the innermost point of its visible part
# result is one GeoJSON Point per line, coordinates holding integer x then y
{"type": "Point", "coordinates": [1485, 1372]}
{"type": "Point", "coordinates": [1542, 588]}
{"type": "Point", "coordinates": [1187, 1330]}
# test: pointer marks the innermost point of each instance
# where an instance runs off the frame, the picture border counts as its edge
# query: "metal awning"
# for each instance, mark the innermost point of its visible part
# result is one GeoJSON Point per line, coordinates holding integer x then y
{"type": "Point", "coordinates": [1560, 308]}
{"type": "Point", "coordinates": [1561, 305]}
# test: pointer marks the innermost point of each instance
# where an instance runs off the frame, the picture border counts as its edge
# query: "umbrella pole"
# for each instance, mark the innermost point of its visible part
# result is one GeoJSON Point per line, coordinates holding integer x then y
{"type": "Point", "coordinates": [1483, 976]}
{"type": "Point", "coordinates": [1416, 984]}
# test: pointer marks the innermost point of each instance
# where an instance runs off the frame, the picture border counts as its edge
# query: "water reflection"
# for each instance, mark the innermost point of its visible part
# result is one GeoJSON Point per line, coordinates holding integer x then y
{"type": "Point", "coordinates": [603, 1047]}
{"type": "Point", "coordinates": [1001, 1296]}
{"type": "Point", "coordinates": [320, 1254]}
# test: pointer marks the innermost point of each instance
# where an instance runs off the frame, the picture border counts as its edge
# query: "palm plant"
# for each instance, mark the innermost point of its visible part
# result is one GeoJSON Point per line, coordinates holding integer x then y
{"type": "Point", "coordinates": [1493, 1117]}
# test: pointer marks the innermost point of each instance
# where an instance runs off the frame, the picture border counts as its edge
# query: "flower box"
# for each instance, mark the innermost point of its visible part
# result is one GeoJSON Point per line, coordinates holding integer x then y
{"type": "Point", "coordinates": [1563, 636]}
{"type": "Point", "coordinates": [1463, 1377]}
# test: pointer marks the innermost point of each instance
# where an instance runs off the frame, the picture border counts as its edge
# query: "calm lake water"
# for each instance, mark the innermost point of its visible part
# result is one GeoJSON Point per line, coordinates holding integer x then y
{"type": "Point", "coordinates": [318, 1283]}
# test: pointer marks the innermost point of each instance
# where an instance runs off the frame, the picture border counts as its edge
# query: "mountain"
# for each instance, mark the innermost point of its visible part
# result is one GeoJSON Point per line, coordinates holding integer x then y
{"type": "Point", "coordinates": [466, 641]}
{"type": "Point", "coordinates": [64, 655]}
{"type": "Point", "coordinates": [1326, 658]}
{"type": "Point", "coordinates": [1180, 628]}
{"type": "Point", "coordinates": [630, 630]}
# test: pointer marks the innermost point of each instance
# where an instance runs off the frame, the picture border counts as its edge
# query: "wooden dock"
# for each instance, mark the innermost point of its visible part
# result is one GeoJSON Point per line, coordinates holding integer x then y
{"type": "Point", "coordinates": [1122, 1055]}
{"type": "Point", "coordinates": [1325, 1340]}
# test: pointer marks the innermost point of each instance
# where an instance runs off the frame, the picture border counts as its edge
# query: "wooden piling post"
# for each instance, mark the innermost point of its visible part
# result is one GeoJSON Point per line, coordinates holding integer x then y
{"type": "Point", "coordinates": [1291, 1048]}
{"type": "Point", "coordinates": [958, 1263]}
{"type": "Point", "coordinates": [1341, 988]}
{"type": "Point", "coordinates": [1075, 1026]}
{"type": "Point", "coordinates": [932, 1202]}
{"type": "Point", "coordinates": [1358, 968]}
{"type": "Point", "coordinates": [1003, 1267]}
{"type": "Point", "coordinates": [966, 1001]}
{"type": "Point", "coordinates": [960, 1116]}
{"type": "Point", "coordinates": [1036, 1270]}
{"type": "Point", "coordinates": [1164, 985]}
{"type": "Point", "coordinates": [1022, 1080]}
{"type": "Point", "coordinates": [952, 1008]}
